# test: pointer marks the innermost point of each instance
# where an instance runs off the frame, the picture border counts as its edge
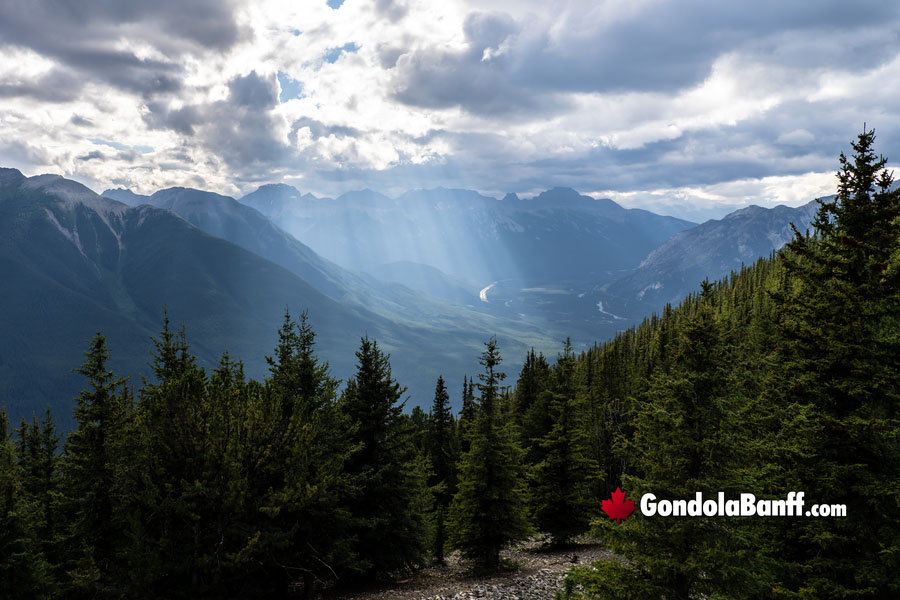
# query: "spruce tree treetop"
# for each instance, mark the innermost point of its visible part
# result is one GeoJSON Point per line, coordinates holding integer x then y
{"type": "Point", "coordinates": [92, 453]}
{"type": "Point", "coordinates": [856, 207]}
{"type": "Point", "coordinates": [489, 386]}
{"type": "Point", "coordinates": [440, 449]}
{"type": "Point", "coordinates": [839, 364]}
{"type": "Point", "coordinates": [488, 510]}
{"type": "Point", "coordinates": [390, 526]}
{"type": "Point", "coordinates": [439, 433]}
{"type": "Point", "coordinates": [303, 380]}
{"type": "Point", "coordinates": [171, 357]}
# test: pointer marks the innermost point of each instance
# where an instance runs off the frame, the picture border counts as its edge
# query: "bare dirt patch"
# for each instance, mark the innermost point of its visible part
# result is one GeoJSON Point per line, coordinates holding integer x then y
{"type": "Point", "coordinates": [540, 573]}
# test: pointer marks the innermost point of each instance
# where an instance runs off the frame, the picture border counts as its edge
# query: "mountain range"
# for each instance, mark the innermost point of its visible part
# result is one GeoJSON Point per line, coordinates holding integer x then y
{"type": "Point", "coordinates": [710, 250]}
{"type": "Point", "coordinates": [431, 291]}
{"type": "Point", "coordinates": [557, 235]}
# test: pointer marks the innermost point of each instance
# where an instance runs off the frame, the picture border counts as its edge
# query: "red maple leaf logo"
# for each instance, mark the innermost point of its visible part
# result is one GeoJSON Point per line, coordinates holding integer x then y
{"type": "Point", "coordinates": [618, 507]}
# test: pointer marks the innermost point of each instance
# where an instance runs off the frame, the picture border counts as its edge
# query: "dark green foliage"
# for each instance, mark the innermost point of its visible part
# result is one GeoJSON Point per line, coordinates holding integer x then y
{"type": "Point", "coordinates": [783, 377]}
{"type": "Point", "coordinates": [239, 482]}
{"type": "Point", "coordinates": [92, 477]}
{"type": "Point", "coordinates": [37, 449]}
{"type": "Point", "coordinates": [389, 478]}
{"type": "Point", "coordinates": [467, 414]}
{"type": "Point", "coordinates": [24, 570]}
{"type": "Point", "coordinates": [303, 510]}
{"type": "Point", "coordinates": [561, 495]}
{"type": "Point", "coordinates": [418, 420]}
{"type": "Point", "coordinates": [180, 469]}
{"type": "Point", "coordinates": [687, 439]}
{"type": "Point", "coordinates": [533, 406]}
{"type": "Point", "coordinates": [488, 510]}
{"type": "Point", "coordinates": [838, 379]}
{"type": "Point", "coordinates": [441, 452]}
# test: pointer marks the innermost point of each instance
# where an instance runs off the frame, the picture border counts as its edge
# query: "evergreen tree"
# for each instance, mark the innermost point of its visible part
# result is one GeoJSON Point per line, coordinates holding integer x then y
{"type": "Point", "coordinates": [305, 491]}
{"type": "Point", "coordinates": [24, 571]}
{"type": "Point", "coordinates": [532, 380]}
{"type": "Point", "coordinates": [837, 386]}
{"type": "Point", "coordinates": [176, 487]}
{"type": "Point", "coordinates": [171, 355]}
{"type": "Point", "coordinates": [562, 482]}
{"type": "Point", "coordinates": [467, 414]}
{"type": "Point", "coordinates": [38, 459]}
{"type": "Point", "coordinates": [390, 528]}
{"type": "Point", "coordinates": [91, 468]}
{"type": "Point", "coordinates": [533, 405]}
{"type": "Point", "coordinates": [303, 381]}
{"type": "Point", "coordinates": [488, 510]}
{"type": "Point", "coordinates": [687, 439]}
{"type": "Point", "coordinates": [441, 452]}
{"type": "Point", "coordinates": [418, 421]}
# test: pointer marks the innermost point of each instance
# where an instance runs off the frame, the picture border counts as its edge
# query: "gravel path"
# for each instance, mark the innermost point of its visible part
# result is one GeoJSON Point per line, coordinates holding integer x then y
{"type": "Point", "coordinates": [539, 575]}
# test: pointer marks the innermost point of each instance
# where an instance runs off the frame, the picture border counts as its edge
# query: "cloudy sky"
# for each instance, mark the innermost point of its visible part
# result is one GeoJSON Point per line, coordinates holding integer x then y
{"type": "Point", "coordinates": [649, 102]}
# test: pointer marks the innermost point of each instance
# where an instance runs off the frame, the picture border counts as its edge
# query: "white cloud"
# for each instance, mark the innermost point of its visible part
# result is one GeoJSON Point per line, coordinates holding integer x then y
{"type": "Point", "coordinates": [638, 98]}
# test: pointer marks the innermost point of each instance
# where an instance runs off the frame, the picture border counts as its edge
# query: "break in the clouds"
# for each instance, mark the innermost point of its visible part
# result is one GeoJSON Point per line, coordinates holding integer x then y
{"type": "Point", "coordinates": [664, 104]}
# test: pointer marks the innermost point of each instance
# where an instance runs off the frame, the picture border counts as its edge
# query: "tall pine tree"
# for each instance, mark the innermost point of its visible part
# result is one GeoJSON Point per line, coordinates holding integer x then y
{"type": "Point", "coordinates": [442, 454]}
{"type": "Point", "coordinates": [304, 491]}
{"type": "Point", "coordinates": [562, 483]}
{"type": "Point", "coordinates": [838, 386]}
{"type": "Point", "coordinates": [389, 512]}
{"type": "Point", "coordinates": [24, 570]}
{"type": "Point", "coordinates": [92, 480]}
{"type": "Point", "coordinates": [489, 509]}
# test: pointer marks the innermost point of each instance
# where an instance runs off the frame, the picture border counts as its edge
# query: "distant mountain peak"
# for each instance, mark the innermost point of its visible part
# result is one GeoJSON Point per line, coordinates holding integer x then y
{"type": "Point", "coordinates": [126, 196]}
{"type": "Point", "coordinates": [710, 250]}
{"type": "Point", "coordinates": [365, 195]}
{"type": "Point", "coordinates": [566, 196]}
{"type": "Point", "coordinates": [562, 194]}
{"type": "Point", "coordinates": [747, 211]}
{"type": "Point", "coordinates": [561, 191]}
{"type": "Point", "coordinates": [274, 198]}
{"type": "Point", "coordinates": [511, 197]}
{"type": "Point", "coordinates": [8, 175]}
{"type": "Point", "coordinates": [275, 186]}
{"type": "Point", "coordinates": [441, 193]}
{"type": "Point", "coordinates": [283, 188]}
{"type": "Point", "coordinates": [71, 193]}
{"type": "Point", "coordinates": [178, 193]}
{"type": "Point", "coordinates": [755, 210]}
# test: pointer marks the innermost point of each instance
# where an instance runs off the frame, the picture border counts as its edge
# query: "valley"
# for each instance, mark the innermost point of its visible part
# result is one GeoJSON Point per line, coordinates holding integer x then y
{"type": "Point", "coordinates": [532, 272]}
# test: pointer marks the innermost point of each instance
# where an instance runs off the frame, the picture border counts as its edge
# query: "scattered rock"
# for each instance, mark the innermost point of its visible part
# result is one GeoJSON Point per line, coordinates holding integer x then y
{"type": "Point", "coordinates": [539, 575]}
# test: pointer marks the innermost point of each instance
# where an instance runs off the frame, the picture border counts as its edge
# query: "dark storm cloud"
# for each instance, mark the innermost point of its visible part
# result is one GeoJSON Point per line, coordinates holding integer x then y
{"type": "Point", "coordinates": [92, 155]}
{"type": "Point", "coordinates": [83, 37]}
{"type": "Point", "coordinates": [54, 86]}
{"type": "Point", "coordinates": [388, 55]}
{"type": "Point", "coordinates": [254, 91]}
{"type": "Point", "coordinates": [181, 120]}
{"type": "Point", "coordinates": [393, 10]}
{"type": "Point", "coordinates": [21, 153]}
{"type": "Point", "coordinates": [241, 131]}
{"type": "Point", "coordinates": [715, 155]}
{"type": "Point", "coordinates": [663, 47]}
{"type": "Point", "coordinates": [80, 121]}
{"type": "Point", "coordinates": [436, 78]}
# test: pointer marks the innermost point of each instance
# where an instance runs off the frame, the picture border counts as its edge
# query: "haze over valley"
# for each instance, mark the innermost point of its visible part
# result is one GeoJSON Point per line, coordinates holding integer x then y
{"type": "Point", "coordinates": [429, 274]}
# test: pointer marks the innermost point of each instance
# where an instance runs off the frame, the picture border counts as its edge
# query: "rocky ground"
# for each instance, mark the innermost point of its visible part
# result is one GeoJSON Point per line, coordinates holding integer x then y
{"type": "Point", "coordinates": [539, 575]}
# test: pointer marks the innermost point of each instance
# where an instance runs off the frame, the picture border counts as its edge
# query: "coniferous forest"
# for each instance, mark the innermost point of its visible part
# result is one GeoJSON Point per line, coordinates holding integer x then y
{"type": "Point", "coordinates": [783, 377]}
